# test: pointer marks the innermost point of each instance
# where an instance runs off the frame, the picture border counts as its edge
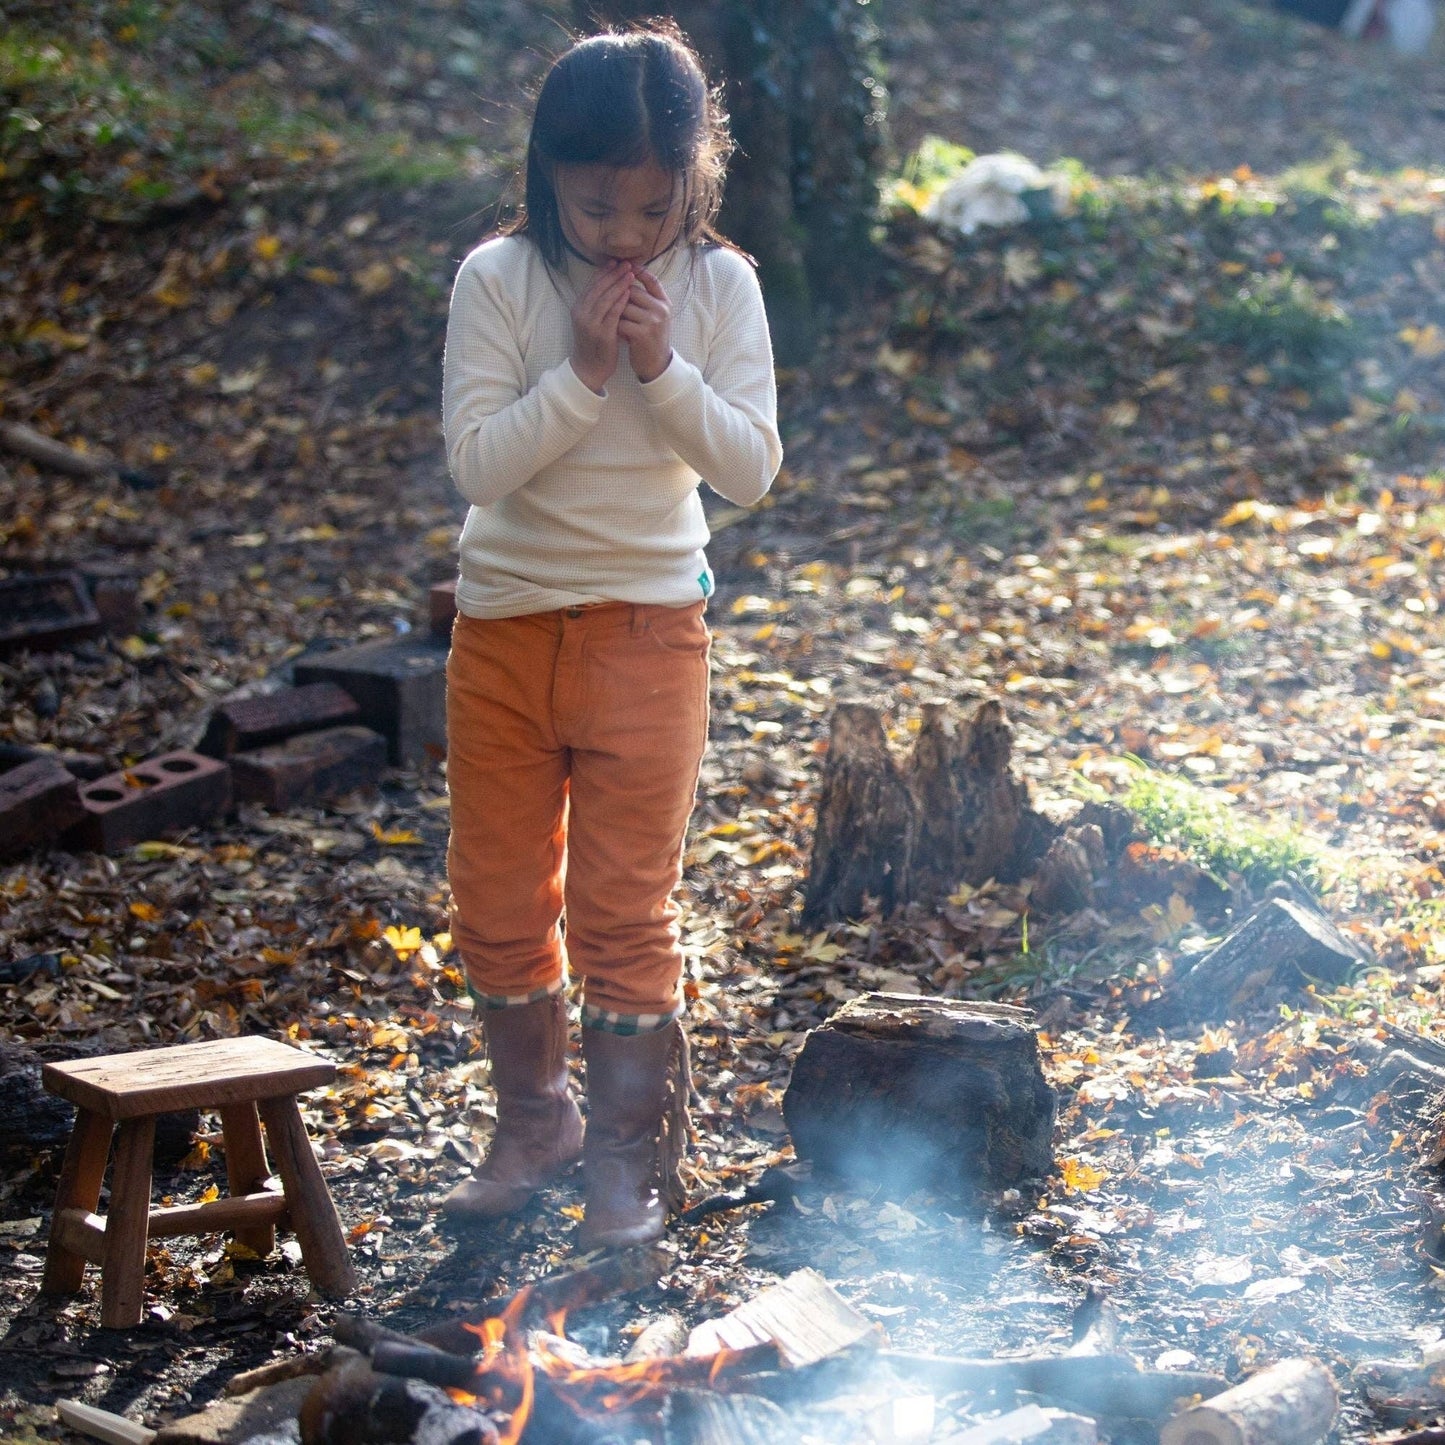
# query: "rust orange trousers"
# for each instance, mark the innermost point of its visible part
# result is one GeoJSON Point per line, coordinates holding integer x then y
{"type": "Point", "coordinates": [574, 740]}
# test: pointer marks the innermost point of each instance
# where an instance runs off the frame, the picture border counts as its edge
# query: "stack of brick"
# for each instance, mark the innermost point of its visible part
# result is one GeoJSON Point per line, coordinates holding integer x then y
{"type": "Point", "coordinates": [350, 713]}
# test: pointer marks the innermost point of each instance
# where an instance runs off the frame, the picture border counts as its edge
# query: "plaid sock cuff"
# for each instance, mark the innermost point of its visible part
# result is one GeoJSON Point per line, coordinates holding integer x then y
{"type": "Point", "coordinates": [610, 1022]}
{"type": "Point", "coordinates": [503, 1000]}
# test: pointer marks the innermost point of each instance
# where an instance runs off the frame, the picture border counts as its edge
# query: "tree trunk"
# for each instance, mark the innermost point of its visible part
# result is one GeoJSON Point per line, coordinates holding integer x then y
{"type": "Point", "coordinates": [802, 90]}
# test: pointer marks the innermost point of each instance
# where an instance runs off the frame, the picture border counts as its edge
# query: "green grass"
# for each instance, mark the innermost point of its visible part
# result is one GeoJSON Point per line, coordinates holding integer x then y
{"type": "Point", "coordinates": [89, 133]}
{"type": "Point", "coordinates": [1203, 824]}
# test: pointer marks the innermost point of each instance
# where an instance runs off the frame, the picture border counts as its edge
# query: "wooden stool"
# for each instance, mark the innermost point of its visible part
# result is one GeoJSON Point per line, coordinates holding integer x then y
{"type": "Point", "coordinates": [249, 1081]}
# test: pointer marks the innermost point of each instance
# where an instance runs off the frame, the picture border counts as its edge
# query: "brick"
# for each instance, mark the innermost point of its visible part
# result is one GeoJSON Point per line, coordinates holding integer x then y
{"type": "Point", "coordinates": [442, 607]}
{"type": "Point", "coordinates": [401, 687]}
{"type": "Point", "coordinates": [39, 800]}
{"type": "Point", "coordinates": [117, 600]}
{"type": "Point", "coordinates": [309, 767]}
{"type": "Point", "coordinates": [245, 723]}
{"type": "Point", "coordinates": [83, 765]}
{"type": "Point", "coordinates": [164, 794]}
{"type": "Point", "coordinates": [43, 611]}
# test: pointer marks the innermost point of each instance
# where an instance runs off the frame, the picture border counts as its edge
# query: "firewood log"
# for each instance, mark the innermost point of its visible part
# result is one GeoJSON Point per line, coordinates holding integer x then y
{"type": "Point", "coordinates": [1280, 943]}
{"type": "Point", "coordinates": [1290, 1403]}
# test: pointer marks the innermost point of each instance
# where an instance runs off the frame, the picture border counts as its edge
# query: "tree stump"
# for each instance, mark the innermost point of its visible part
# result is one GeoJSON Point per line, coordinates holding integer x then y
{"type": "Point", "coordinates": [1281, 943]}
{"type": "Point", "coordinates": [865, 821]}
{"type": "Point", "coordinates": [913, 1092]}
{"type": "Point", "coordinates": [951, 813]}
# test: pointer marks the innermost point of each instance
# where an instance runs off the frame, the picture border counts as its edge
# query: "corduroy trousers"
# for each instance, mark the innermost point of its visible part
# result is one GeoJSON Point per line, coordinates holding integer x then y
{"type": "Point", "coordinates": [574, 740]}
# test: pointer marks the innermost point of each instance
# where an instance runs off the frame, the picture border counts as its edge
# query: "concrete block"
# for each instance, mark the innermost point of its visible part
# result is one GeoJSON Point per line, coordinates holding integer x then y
{"type": "Point", "coordinates": [39, 800]}
{"type": "Point", "coordinates": [442, 607]}
{"type": "Point", "coordinates": [309, 767]}
{"type": "Point", "coordinates": [43, 611]}
{"type": "Point", "coordinates": [165, 794]}
{"type": "Point", "coordinates": [401, 687]}
{"type": "Point", "coordinates": [244, 723]}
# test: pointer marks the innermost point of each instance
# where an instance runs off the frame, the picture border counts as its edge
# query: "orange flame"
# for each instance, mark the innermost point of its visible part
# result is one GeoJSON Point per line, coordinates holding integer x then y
{"type": "Point", "coordinates": [508, 1363]}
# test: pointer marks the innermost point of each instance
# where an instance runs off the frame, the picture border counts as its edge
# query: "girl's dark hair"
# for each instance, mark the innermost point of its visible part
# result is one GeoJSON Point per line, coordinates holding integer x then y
{"type": "Point", "coordinates": [624, 98]}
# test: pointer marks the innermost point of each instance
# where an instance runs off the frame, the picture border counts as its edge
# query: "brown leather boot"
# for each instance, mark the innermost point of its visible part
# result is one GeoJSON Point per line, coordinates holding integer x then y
{"type": "Point", "coordinates": [636, 1100]}
{"type": "Point", "coordinates": [539, 1127]}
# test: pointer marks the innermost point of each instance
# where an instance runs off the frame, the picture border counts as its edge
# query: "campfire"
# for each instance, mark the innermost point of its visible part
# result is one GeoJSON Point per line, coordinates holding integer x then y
{"type": "Point", "coordinates": [795, 1363]}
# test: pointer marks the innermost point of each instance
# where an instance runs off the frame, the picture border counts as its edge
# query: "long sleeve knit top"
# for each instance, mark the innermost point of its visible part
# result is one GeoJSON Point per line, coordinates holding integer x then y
{"type": "Point", "coordinates": [578, 497]}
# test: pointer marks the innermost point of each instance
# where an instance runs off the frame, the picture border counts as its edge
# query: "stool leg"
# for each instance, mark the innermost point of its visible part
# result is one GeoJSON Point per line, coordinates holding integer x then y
{"type": "Point", "coordinates": [308, 1201]}
{"type": "Point", "coordinates": [80, 1179]}
{"type": "Point", "coordinates": [123, 1275]}
{"type": "Point", "coordinates": [246, 1168]}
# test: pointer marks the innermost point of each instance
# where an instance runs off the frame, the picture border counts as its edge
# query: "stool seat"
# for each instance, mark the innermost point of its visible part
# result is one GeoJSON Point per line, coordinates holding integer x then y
{"type": "Point", "coordinates": [250, 1082]}
{"type": "Point", "coordinates": [187, 1076]}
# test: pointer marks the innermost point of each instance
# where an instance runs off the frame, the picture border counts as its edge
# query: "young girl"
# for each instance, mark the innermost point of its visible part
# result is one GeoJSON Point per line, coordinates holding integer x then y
{"type": "Point", "coordinates": [602, 357]}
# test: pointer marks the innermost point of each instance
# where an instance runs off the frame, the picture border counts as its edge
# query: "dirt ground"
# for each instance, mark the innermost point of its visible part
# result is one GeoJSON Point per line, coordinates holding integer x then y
{"type": "Point", "coordinates": [1013, 471]}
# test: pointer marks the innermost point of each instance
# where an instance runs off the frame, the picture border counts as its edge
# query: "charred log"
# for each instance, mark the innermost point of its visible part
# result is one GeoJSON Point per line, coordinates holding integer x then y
{"type": "Point", "coordinates": [908, 1092]}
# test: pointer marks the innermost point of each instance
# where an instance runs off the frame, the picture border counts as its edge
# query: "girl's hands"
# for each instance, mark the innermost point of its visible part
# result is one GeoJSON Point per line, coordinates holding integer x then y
{"type": "Point", "coordinates": [622, 304]}
{"type": "Point", "coordinates": [646, 326]}
{"type": "Point", "coordinates": [595, 318]}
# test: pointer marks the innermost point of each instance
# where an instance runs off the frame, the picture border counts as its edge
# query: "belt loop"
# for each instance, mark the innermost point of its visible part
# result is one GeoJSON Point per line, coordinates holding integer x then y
{"type": "Point", "coordinates": [639, 619]}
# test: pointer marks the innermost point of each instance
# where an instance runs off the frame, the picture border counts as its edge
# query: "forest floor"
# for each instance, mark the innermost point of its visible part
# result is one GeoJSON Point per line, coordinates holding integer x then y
{"type": "Point", "coordinates": [1162, 473]}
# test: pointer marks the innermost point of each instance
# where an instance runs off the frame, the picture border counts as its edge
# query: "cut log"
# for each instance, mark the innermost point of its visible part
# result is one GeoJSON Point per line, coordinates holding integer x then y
{"type": "Point", "coordinates": [1281, 944]}
{"type": "Point", "coordinates": [909, 1092]}
{"type": "Point", "coordinates": [1290, 1403]}
{"type": "Point", "coordinates": [659, 1338]}
{"type": "Point", "coordinates": [101, 1424]}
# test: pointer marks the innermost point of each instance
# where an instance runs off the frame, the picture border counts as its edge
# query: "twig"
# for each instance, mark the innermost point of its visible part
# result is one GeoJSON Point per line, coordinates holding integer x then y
{"type": "Point", "coordinates": [25, 441]}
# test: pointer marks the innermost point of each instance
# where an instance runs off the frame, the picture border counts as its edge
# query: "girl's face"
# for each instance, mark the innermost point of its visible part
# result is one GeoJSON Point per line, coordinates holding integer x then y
{"type": "Point", "coordinates": [619, 213]}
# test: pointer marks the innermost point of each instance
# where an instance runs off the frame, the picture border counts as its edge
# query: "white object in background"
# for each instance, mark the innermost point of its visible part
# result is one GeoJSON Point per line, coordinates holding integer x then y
{"type": "Point", "coordinates": [1408, 24]}
{"type": "Point", "coordinates": [988, 191]}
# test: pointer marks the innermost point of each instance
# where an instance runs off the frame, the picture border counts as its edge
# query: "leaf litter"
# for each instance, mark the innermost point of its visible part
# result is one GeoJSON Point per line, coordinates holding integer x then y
{"type": "Point", "coordinates": [1163, 472]}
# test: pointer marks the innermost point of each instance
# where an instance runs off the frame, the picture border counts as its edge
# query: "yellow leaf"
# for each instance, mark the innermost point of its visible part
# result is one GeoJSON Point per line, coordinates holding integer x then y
{"type": "Point", "coordinates": [267, 247]}
{"type": "Point", "coordinates": [1081, 1178]}
{"type": "Point", "coordinates": [372, 280]}
{"type": "Point", "coordinates": [198, 1157]}
{"type": "Point", "coordinates": [393, 836]}
{"type": "Point", "coordinates": [209, 1193]}
{"type": "Point", "coordinates": [404, 941]}
{"type": "Point", "coordinates": [202, 375]}
{"type": "Point", "coordinates": [322, 275]}
{"type": "Point", "coordinates": [926, 415]}
{"type": "Point", "coordinates": [898, 363]}
{"type": "Point", "coordinates": [54, 335]}
{"type": "Point", "coordinates": [146, 912]}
